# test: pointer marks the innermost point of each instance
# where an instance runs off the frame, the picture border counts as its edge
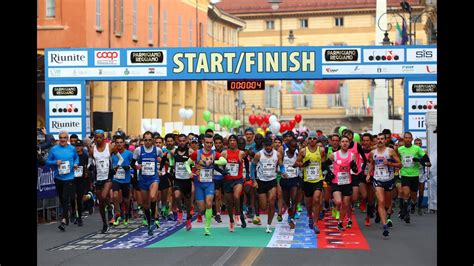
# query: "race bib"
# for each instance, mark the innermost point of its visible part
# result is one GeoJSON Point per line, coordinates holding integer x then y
{"type": "Point", "coordinates": [206, 175]}
{"type": "Point", "coordinates": [102, 169]}
{"type": "Point", "coordinates": [180, 171]}
{"type": "Point", "coordinates": [407, 161]}
{"type": "Point", "coordinates": [78, 172]}
{"type": "Point", "coordinates": [268, 170]}
{"type": "Point", "coordinates": [312, 171]}
{"type": "Point", "coordinates": [148, 168]}
{"type": "Point", "coordinates": [381, 173]}
{"type": "Point", "coordinates": [291, 171]}
{"type": "Point", "coordinates": [120, 173]}
{"type": "Point", "coordinates": [343, 178]}
{"type": "Point", "coordinates": [64, 168]}
{"type": "Point", "coordinates": [233, 169]}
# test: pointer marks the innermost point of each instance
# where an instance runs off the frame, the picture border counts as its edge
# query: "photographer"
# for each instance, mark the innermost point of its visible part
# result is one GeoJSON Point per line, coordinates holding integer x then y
{"type": "Point", "coordinates": [44, 143]}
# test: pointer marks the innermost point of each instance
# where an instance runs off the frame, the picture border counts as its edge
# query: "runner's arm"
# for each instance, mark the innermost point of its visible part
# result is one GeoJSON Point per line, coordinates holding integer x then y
{"type": "Point", "coordinates": [221, 161]}
{"type": "Point", "coordinates": [188, 164]}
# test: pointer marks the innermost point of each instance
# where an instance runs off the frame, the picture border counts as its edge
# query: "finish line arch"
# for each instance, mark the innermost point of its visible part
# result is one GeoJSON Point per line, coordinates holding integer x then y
{"type": "Point", "coordinates": [67, 71]}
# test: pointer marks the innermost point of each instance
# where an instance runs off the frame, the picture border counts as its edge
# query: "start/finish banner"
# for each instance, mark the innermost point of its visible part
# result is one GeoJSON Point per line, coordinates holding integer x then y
{"type": "Point", "coordinates": [223, 63]}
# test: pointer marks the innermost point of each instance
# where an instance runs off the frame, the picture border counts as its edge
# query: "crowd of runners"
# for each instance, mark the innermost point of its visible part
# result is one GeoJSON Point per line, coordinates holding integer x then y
{"type": "Point", "coordinates": [175, 177]}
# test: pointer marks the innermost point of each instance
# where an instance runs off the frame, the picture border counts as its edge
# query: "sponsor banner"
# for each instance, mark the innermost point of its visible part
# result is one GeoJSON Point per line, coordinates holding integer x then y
{"type": "Point", "coordinates": [67, 58]}
{"type": "Point", "coordinates": [422, 55]}
{"type": "Point", "coordinates": [65, 108]}
{"type": "Point", "coordinates": [384, 55]}
{"type": "Point", "coordinates": [341, 55]}
{"type": "Point", "coordinates": [107, 58]}
{"type": "Point", "coordinates": [422, 105]}
{"type": "Point", "coordinates": [121, 72]}
{"type": "Point", "coordinates": [45, 187]}
{"type": "Point", "coordinates": [422, 88]}
{"type": "Point", "coordinates": [416, 122]}
{"type": "Point", "coordinates": [146, 57]}
{"type": "Point", "coordinates": [378, 69]}
{"type": "Point", "coordinates": [64, 91]}
{"type": "Point", "coordinates": [71, 124]}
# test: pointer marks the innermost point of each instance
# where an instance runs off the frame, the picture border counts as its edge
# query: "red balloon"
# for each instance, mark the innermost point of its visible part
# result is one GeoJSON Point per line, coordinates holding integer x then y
{"type": "Point", "coordinates": [264, 127]}
{"type": "Point", "coordinates": [266, 119]}
{"type": "Point", "coordinates": [252, 119]}
{"type": "Point", "coordinates": [298, 118]}
{"type": "Point", "coordinates": [292, 124]}
{"type": "Point", "coordinates": [259, 120]}
{"type": "Point", "coordinates": [283, 127]}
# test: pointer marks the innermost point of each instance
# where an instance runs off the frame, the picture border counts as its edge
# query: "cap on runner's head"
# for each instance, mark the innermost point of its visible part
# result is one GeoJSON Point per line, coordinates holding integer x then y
{"type": "Point", "coordinates": [250, 129]}
{"type": "Point", "coordinates": [98, 131]}
{"type": "Point", "coordinates": [73, 136]}
{"type": "Point", "coordinates": [267, 141]}
{"type": "Point", "coordinates": [79, 143]}
{"type": "Point", "coordinates": [195, 139]}
{"type": "Point", "coordinates": [323, 138]}
{"type": "Point", "coordinates": [312, 134]}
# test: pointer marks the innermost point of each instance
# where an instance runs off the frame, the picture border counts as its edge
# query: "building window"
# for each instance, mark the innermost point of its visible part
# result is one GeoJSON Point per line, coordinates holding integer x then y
{"type": "Point", "coordinates": [97, 14]}
{"type": "Point", "coordinates": [302, 101]}
{"type": "Point", "coordinates": [51, 8]}
{"type": "Point", "coordinates": [304, 23]}
{"type": "Point", "coordinates": [134, 22]}
{"type": "Point", "coordinates": [272, 97]}
{"type": "Point", "coordinates": [339, 22]}
{"type": "Point", "coordinates": [150, 25]}
{"type": "Point", "coordinates": [165, 27]}
{"type": "Point", "coordinates": [180, 31]}
{"type": "Point", "coordinates": [190, 32]}
{"type": "Point", "coordinates": [270, 24]}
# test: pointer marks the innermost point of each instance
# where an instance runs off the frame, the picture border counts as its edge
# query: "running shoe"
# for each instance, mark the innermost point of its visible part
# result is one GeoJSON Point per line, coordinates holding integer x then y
{"type": "Point", "coordinates": [207, 232]}
{"type": "Point", "coordinates": [144, 222]}
{"type": "Point", "coordinates": [180, 217]}
{"type": "Point", "coordinates": [321, 215]}
{"type": "Point", "coordinates": [105, 228]}
{"type": "Point", "coordinates": [385, 230]}
{"type": "Point", "coordinates": [242, 220]}
{"type": "Point", "coordinates": [279, 218]}
{"type": "Point", "coordinates": [237, 220]}
{"type": "Point", "coordinates": [297, 215]}
{"type": "Point", "coordinates": [79, 222]}
{"type": "Point", "coordinates": [199, 218]}
{"type": "Point", "coordinates": [257, 221]}
{"type": "Point", "coordinates": [310, 223]}
{"type": "Point", "coordinates": [299, 208]}
{"type": "Point", "coordinates": [73, 219]}
{"type": "Point", "coordinates": [117, 220]}
{"type": "Point", "coordinates": [349, 223]}
{"type": "Point", "coordinates": [367, 221]}
{"type": "Point", "coordinates": [231, 227]}
{"type": "Point", "coordinates": [289, 219]}
{"type": "Point", "coordinates": [188, 225]}
{"type": "Point", "coordinates": [389, 222]}
{"type": "Point", "coordinates": [269, 230]}
{"type": "Point", "coordinates": [157, 223]}
{"type": "Point", "coordinates": [340, 227]}
{"type": "Point", "coordinates": [337, 215]}
{"type": "Point", "coordinates": [363, 206]}
{"type": "Point", "coordinates": [125, 221]}
{"type": "Point", "coordinates": [218, 218]}
{"type": "Point", "coordinates": [62, 226]}
{"type": "Point", "coordinates": [333, 212]}
{"type": "Point", "coordinates": [316, 229]}
{"type": "Point", "coordinates": [291, 223]}
{"type": "Point", "coordinates": [150, 230]}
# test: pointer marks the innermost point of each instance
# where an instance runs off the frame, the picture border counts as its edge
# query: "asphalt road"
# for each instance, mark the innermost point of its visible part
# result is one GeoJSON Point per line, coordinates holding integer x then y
{"type": "Point", "coordinates": [409, 244]}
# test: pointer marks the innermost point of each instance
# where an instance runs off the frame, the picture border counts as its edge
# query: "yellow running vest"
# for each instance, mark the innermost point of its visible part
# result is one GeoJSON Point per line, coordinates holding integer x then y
{"type": "Point", "coordinates": [313, 172]}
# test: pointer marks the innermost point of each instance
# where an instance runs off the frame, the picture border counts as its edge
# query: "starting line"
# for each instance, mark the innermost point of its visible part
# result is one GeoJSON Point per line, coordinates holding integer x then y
{"type": "Point", "coordinates": [171, 234]}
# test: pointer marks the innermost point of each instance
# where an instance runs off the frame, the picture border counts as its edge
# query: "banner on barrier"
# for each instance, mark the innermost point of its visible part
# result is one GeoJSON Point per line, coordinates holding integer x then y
{"type": "Point", "coordinates": [45, 187]}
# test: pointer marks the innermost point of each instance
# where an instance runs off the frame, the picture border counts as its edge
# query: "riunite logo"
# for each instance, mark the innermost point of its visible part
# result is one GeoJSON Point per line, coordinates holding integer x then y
{"type": "Point", "coordinates": [67, 58]}
{"type": "Point", "coordinates": [60, 125]}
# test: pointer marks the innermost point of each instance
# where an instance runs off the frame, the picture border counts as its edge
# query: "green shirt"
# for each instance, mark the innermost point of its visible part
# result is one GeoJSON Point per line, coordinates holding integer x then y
{"type": "Point", "coordinates": [409, 167]}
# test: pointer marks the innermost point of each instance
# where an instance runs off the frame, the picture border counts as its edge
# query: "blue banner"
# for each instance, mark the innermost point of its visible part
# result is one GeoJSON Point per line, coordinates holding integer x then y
{"type": "Point", "coordinates": [45, 187]}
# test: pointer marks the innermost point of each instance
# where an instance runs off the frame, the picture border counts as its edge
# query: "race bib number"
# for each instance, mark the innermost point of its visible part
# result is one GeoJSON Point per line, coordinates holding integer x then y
{"type": "Point", "coordinates": [291, 171]}
{"type": "Point", "coordinates": [233, 169]}
{"type": "Point", "coordinates": [206, 175]}
{"type": "Point", "coordinates": [382, 173]}
{"type": "Point", "coordinates": [120, 174]}
{"type": "Point", "coordinates": [268, 169]}
{"type": "Point", "coordinates": [180, 171]}
{"type": "Point", "coordinates": [313, 171]}
{"type": "Point", "coordinates": [78, 172]}
{"type": "Point", "coordinates": [148, 168]}
{"type": "Point", "coordinates": [343, 178]}
{"type": "Point", "coordinates": [64, 168]}
{"type": "Point", "coordinates": [407, 161]}
{"type": "Point", "coordinates": [102, 169]}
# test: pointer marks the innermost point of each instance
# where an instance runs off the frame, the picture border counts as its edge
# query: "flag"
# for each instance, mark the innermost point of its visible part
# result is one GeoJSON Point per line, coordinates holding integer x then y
{"type": "Point", "coordinates": [369, 103]}
{"type": "Point", "coordinates": [401, 34]}
{"type": "Point", "coordinates": [363, 104]}
{"type": "Point", "coordinates": [404, 33]}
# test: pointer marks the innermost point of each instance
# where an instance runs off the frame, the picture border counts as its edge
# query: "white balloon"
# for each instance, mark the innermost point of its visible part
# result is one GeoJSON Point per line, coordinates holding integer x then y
{"type": "Point", "coordinates": [272, 119]}
{"type": "Point", "coordinates": [275, 127]}
{"type": "Point", "coordinates": [147, 125]}
{"type": "Point", "coordinates": [189, 113]}
{"type": "Point", "coordinates": [182, 113]}
{"type": "Point", "coordinates": [154, 128]}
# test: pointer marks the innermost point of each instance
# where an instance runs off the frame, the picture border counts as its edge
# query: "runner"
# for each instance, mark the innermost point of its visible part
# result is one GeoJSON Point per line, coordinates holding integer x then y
{"type": "Point", "coordinates": [183, 182]}
{"type": "Point", "coordinates": [424, 173]}
{"type": "Point", "coordinates": [289, 182]}
{"type": "Point", "coordinates": [121, 181]}
{"type": "Point", "coordinates": [233, 182]}
{"type": "Point", "coordinates": [218, 178]}
{"type": "Point", "coordinates": [148, 156]}
{"type": "Point", "coordinates": [344, 162]}
{"type": "Point", "coordinates": [83, 184]}
{"type": "Point", "coordinates": [366, 190]}
{"type": "Point", "coordinates": [266, 162]}
{"type": "Point", "coordinates": [411, 157]}
{"type": "Point", "coordinates": [310, 160]}
{"type": "Point", "coordinates": [277, 145]}
{"type": "Point", "coordinates": [64, 159]}
{"type": "Point", "coordinates": [204, 159]}
{"type": "Point", "coordinates": [333, 147]}
{"type": "Point", "coordinates": [382, 162]}
{"type": "Point", "coordinates": [166, 180]}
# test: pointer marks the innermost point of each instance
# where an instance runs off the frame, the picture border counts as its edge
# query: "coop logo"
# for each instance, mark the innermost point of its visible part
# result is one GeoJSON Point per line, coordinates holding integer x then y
{"type": "Point", "coordinates": [67, 58]}
{"type": "Point", "coordinates": [383, 55]}
{"type": "Point", "coordinates": [107, 58]}
{"type": "Point", "coordinates": [65, 108]}
{"type": "Point", "coordinates": [331, 70]}
{"type": "Point", "coordinates": [422, 55]}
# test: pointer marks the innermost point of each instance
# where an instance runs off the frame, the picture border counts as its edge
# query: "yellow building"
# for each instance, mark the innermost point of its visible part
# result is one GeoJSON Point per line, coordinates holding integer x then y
{"type": "Point", "coordinates": [322, 23]}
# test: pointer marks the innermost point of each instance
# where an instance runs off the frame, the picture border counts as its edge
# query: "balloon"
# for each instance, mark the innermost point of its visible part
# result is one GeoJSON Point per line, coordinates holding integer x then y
{"type": "Point", "coordinates": [182, 113]}
{"type": "Point", "coordinates": [236, 123]}
{"type": "Point", "coordinates": [264, 127]}
{"type": "Point", "coordinates": [259, 120]}
{"type": "Point", "coordinates": [298, 118]}
{"type": "Point", "coordinates": [266, 118]}
{"type": "Point", "coordinates": [211, 125]}
{"type": "Point", "coordinates": [226, 121]}
{"type": "Point", "coordinates": [206, 115]}
{"type": "Point", "coordinates": [284, 126]}
{"type": "Point", "coordinates": [252, 119]}
{"type": "Point", "coordinates": [272, 119]}
{"type": "Point", "coordinates": [189, 113]}
{"type": "Point", "coordinates": [356, 137]}
{"type": "Point", "coordinates": [231, 123]}
{"type": "Point", "coordinates": [202, 129]}
{"type": "Point", "coordinates": [292, 124]}
{"type": "Point", "coordinates": [275, 127]}
{"type": "Point", "coordinates": [260, 131]}
{"type": "Point", "coordinates": [341, 129]}
{"type": "Point", "coordinates": [221, 121]}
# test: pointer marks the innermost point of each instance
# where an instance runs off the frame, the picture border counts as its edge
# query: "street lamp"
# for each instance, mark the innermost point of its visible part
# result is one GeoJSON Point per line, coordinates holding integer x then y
{"type": "Point", "coordinates": [291, 37]}
{"type": "Point", "coordinates": [243, 105]}
{"type": "Point", "coordinates": [253, 108]}
{"type": "Point", "coordinates": [236, 103]}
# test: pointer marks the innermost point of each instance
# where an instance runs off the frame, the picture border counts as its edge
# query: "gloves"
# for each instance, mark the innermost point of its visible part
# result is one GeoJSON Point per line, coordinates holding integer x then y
{"type": "Point", "coordinates": [329, 177]}
{"type": "Point", "coordinates": [416, 160]}
{"type": "Point", "coordinates": [354, 166]}
{"type": "Point", "coordinates": [306, 164]}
